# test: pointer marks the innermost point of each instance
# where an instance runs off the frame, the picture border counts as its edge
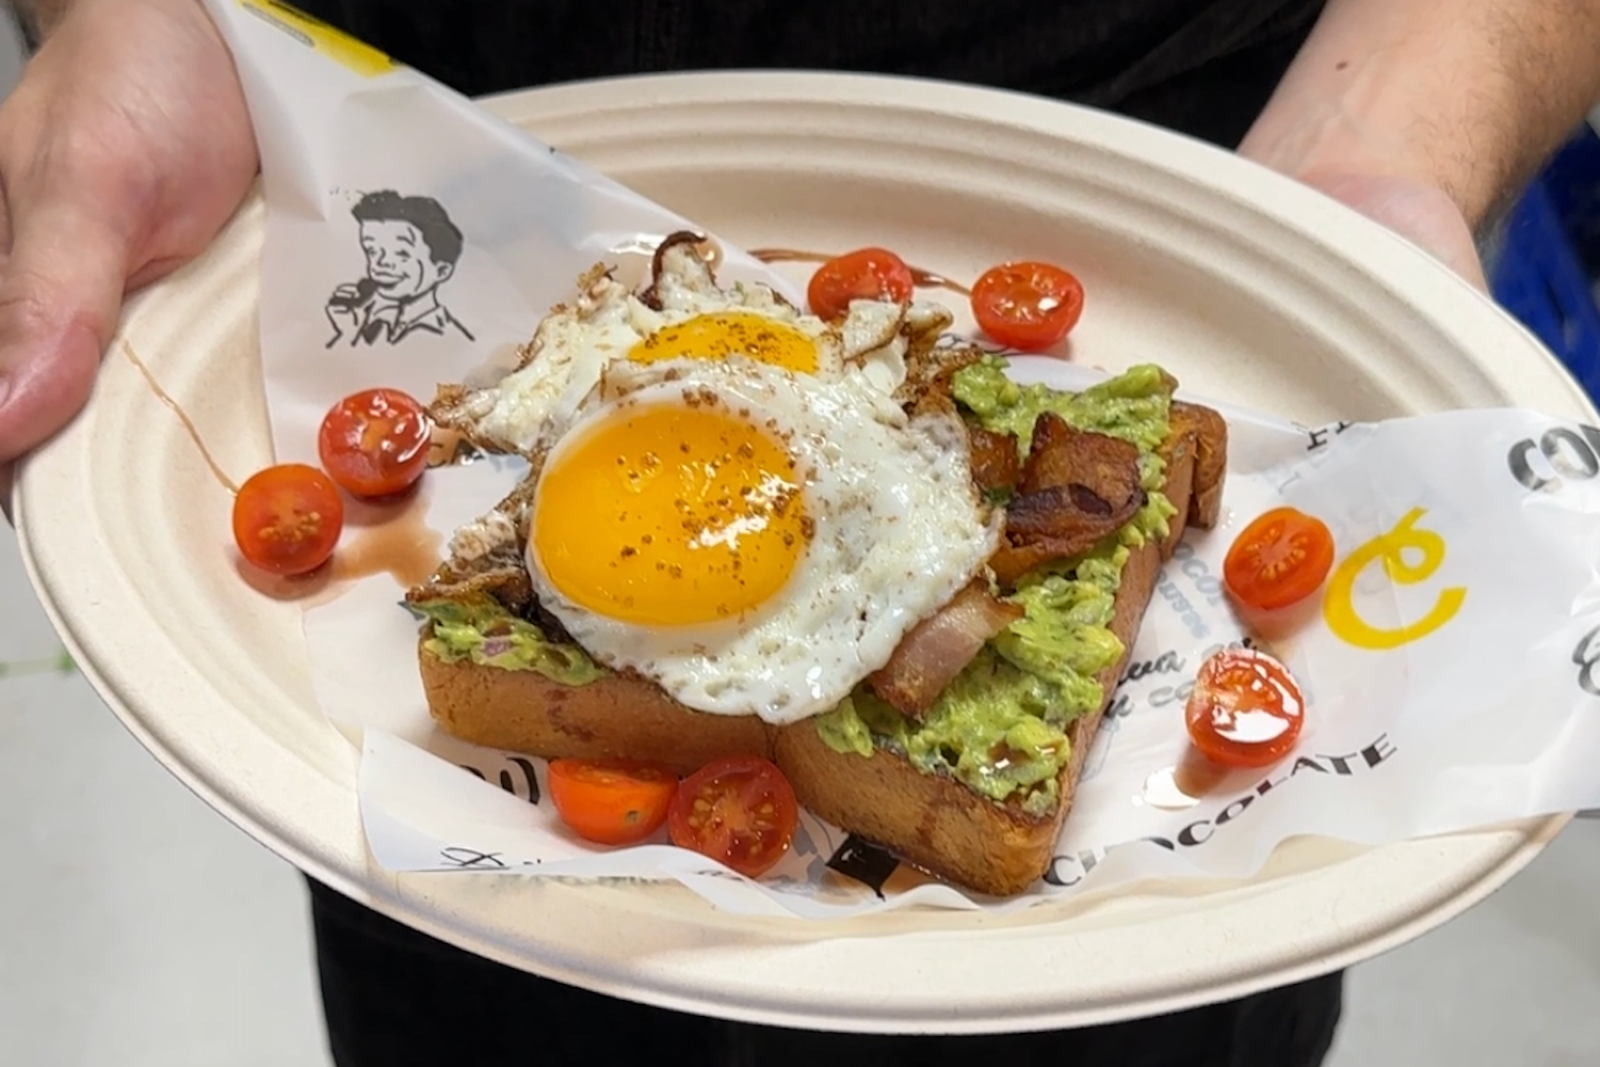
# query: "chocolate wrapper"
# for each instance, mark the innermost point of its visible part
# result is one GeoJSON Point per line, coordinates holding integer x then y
{"type": "Point", "coordinates": [1452, 673]}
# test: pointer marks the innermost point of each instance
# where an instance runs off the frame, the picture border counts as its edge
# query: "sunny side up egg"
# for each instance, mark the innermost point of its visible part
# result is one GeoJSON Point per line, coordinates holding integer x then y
{"type": "Point", "coordinates": [728, 499]}
{"type": "Point", "coordinates": [753, 539]}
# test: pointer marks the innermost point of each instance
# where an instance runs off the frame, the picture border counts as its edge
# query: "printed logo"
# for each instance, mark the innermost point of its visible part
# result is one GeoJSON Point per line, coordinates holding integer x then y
{"type": "Point", "coordinates": [411, 248]}
{"type": "Point", "coordinates": [1390, 548]}
{"type": "Point", "coordinates": [1587, 657]}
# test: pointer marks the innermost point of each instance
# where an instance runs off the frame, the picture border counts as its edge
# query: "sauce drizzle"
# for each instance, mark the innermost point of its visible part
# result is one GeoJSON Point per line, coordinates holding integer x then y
{"type": "Point", "coordinates": [925, 279]}
{"type": "Point", "coordinates": [183, 416]}
{"type": "Point", "coordinates": [398, 542]}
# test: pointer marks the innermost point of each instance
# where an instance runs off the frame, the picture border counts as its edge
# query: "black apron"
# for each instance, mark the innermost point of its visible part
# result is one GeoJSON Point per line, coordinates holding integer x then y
{"type": "Point", "coordinates": [1204, 69]}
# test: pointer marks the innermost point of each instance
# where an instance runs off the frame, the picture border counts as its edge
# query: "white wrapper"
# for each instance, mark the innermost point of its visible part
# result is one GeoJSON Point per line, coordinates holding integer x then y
{"type": "Point", "coordinates": [1492, 715]}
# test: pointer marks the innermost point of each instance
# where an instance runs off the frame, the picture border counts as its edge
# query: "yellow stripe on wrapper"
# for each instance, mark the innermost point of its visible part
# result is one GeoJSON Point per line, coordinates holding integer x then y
{"type": "Point", "coordinates": [340, 47]}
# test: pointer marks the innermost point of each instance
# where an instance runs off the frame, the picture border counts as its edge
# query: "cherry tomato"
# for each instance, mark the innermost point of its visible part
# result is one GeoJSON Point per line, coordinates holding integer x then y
{"type": "Point", "coordinates": [1027, 306]}
{"type": "Point", "coordinates": [740, 810]}
{"type": "Point", "coordinates": [612, 801]}
{"type": "Point", "coordinates": [865, 274]}
{"type": "Point", "coordinates": [375, 442]}
{"type": "Point", "coordinates": [1245, 710]}
{"type": "Point", "coordinates": [287, 519]}
{"type": "Point", "coordinates": [1279, 559]}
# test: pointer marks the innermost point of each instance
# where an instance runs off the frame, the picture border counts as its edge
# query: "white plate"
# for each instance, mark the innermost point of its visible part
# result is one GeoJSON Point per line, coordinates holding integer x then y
{"type": "Point", "coordinates": [1242, 283]}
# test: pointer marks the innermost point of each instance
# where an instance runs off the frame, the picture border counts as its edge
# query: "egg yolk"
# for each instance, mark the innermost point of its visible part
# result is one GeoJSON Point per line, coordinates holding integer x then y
{"type": "Point", "coordinates": [668, 514]}
{"type": "Point", "coordinates": [721, 334]}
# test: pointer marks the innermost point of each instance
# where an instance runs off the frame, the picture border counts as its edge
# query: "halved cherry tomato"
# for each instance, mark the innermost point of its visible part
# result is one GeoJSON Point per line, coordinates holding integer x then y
{"type": "Point", "coordinates": [1245, 709]}
{"type": "Point", "coordinates": [1027, 306]}
{"type": "Point", "coordinates": [865, 274]}
{"type": "Point", "coordinates": [612, 801]}
{"type": "Point", "coordinates": [1279, 559]}
{"type": "Point", "coordinates": [375, 442]}
{"type": "Point", "coordinates": [287, 519]}
{"type": "Point", "coordinates": [740, 810]}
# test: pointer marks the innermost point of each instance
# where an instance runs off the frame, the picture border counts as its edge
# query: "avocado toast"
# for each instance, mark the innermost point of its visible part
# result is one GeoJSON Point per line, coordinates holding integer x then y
{"type": "Point", "coordinates": [961, 752]}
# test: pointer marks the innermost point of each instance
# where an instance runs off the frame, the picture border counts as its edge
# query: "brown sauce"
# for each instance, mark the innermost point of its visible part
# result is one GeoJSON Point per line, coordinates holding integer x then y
{"type": "Point", "coordinates": [183, 417]}
{"type": "Point", "coordinates": [924, 279]}
{"type": "Point", "coordinates": [394, 539]}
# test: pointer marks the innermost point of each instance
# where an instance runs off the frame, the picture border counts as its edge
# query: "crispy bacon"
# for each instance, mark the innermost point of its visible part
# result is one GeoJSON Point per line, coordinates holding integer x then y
{"type": "Point", "coordinates": [996, 460]}
{"type": "Point", "coordinates": [940, 646]}
{"type": "Point", "coordinates": [1076, 488]}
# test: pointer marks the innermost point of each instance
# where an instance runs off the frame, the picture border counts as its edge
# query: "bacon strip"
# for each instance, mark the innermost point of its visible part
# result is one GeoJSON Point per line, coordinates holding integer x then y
{"type": "Point", "coordinates": [940, 646]}
{"type": "Point", "coordinates": [1077, 488]}
{"type": "Point", "coordinates": [996, 461]}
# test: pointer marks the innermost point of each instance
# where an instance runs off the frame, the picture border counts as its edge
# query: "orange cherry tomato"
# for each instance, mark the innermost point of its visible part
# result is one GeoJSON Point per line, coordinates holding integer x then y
{"type": "Point", "coordinates": [740, 810]}
{"type": "Point", "coordinates": [287, 519]}
{"type": "Point", "coordinates": [612, 801]}
{"type": "Point", "coordinates": [1027, 306]}
{"type": "Point", "coordinates": [1245, 709]}
{"type": "Point", "coordinates": [865, 274]}
{"type": "Point", "coordinates": [375, 442]}
{"type": "Point", "coordinates": [1279, 559]}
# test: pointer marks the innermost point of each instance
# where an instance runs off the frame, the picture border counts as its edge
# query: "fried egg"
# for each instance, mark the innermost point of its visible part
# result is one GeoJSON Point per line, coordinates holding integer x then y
{"type": "Point", "coordinates": [752, 537]}
{"type": "Point", "coordinates": [684, 315]}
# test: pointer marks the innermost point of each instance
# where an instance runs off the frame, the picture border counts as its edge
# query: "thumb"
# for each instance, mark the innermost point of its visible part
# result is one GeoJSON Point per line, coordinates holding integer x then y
{"type": "Point", "coordinates": [60, 296]}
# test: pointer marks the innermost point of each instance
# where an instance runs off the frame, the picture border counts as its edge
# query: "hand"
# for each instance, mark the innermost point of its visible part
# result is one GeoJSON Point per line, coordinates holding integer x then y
{"type": "Point", "coordinates": [1416, 210]}
{"type": "Point", "coordinates": [123, 151]}
{"type": "Point", "coordinates": [342, 313]}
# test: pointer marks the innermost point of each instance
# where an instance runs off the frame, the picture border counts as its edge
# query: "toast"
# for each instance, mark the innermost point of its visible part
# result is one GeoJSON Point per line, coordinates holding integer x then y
{"type": "Point", "coordinates": [962, 752]}
{"type": "Point", "coordinates": [932, 821]}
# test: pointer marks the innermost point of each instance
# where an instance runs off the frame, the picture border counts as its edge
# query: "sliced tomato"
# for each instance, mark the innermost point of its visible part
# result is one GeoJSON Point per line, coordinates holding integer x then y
{"type": "Point", "coordinates": [865, 274]}
{"type": "Point", "coordinates": [1028, 305]}
{"type": "Point", "coordinates": [1245, 710]}
{"type": "Point", "coordinates": [375, 442]}
{"type": "Point", "coordinates": [612, 801]}
{"type": "Point", "coordinates": [1278, 560]}
{"type": "Point", "coordinates": [287, 519]}
{"type": "Point", "coordinates": [740, 810]}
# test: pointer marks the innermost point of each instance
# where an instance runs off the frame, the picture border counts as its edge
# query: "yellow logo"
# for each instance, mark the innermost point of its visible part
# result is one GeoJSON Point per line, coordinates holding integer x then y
{"type": "Point", "coordinates": [316, 34]}
{"type": "Point", "coordinates": [1339, 609]}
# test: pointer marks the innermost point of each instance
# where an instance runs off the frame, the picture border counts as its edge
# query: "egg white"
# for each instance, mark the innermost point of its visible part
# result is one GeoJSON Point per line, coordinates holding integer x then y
{"type": "Point", "coordinates": [533, 406]}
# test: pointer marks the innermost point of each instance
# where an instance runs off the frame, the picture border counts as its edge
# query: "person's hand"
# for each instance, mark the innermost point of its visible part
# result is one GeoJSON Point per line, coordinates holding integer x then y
{"type": "Point", "coordinates": [1416, 210]}
{"type": "Point", "coordinates": [123, 150]}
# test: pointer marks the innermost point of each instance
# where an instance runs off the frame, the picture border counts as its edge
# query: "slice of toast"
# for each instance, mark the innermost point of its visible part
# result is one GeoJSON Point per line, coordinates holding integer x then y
{"type": "Point", "coordinates": [614, 716]}
{"type": "Point", "coordinates": [934, 821]}
{"type": "Point", "coordinates": [930, 820]}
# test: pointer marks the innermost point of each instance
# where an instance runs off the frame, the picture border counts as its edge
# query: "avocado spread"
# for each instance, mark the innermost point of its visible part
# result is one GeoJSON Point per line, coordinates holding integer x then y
{"type": "Point", "coordinates": [1000, 727]}
{"type": "Point", "coordinates": [484, 631]}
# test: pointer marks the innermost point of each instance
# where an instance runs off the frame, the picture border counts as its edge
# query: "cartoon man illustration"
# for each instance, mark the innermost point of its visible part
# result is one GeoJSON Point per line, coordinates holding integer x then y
{"type": "Point", "coordinates": [412, 248]}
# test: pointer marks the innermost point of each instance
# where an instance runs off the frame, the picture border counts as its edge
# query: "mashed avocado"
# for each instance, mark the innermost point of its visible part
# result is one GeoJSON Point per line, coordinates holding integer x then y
{"type": "Point", "coordinates": [1000, 727]}
{"type": "Point", "coordinates": [483, 631]}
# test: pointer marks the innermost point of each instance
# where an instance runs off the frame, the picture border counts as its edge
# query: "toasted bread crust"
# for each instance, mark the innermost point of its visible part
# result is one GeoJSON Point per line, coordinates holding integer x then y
{"type": "Point", "coordinates": [932, 821]}
{"type": "Point", "coordinates": [523, 711]}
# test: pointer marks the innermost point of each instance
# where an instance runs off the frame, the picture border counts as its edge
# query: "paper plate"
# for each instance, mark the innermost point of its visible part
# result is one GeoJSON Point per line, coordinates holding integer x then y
{"type": "Point", "coordinates": [1245, 285]}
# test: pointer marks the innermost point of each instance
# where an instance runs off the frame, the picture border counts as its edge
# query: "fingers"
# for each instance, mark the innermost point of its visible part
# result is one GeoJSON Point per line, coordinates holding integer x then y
{"type": "Point", "coordinates": [60, 296]}
{"type": "Point", "coordinates": [1423, 214]}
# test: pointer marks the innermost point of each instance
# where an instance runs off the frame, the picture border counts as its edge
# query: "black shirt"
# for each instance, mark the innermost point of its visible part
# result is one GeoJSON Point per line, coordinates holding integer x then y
{"type": "Point", "coordinates": [1202, 68]}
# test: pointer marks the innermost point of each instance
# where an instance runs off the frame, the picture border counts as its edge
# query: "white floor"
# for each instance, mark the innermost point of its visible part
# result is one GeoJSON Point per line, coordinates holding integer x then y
{"type": "Point", "coordinates": [138, 929]}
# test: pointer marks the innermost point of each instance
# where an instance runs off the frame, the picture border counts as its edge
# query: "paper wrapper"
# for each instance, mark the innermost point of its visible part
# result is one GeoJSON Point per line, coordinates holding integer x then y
{"type": "Point", "coordinates": [1453, 680]}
